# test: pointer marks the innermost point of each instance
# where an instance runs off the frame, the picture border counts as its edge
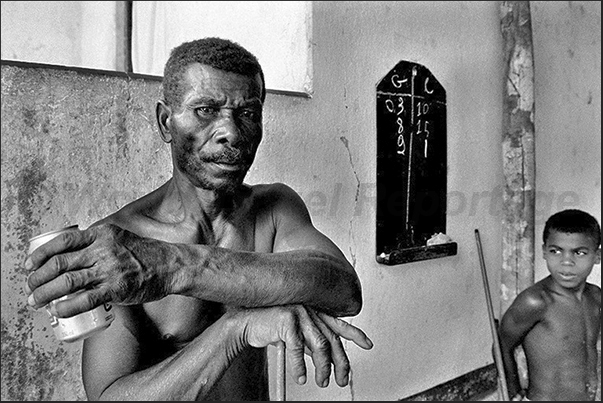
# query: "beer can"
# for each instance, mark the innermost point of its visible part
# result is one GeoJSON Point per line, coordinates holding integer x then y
{"type": "Point", "coordinates": [80, 326]}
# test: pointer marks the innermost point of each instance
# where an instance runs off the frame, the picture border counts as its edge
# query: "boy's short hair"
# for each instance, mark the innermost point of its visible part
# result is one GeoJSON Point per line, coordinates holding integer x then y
{"type": "Point", "coordinates": [218, 53]}
{"type": "Point", "coordinates": [573, 221]}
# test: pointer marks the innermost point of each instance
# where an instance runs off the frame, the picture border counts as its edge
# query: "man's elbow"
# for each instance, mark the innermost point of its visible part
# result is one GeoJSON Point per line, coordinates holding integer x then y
{"type": "Point", "coordinates": [354, 308]}
{"type": "Point", "coordinates": [353, 304]}
{"type": "Point", "coordinates": [340, 292]}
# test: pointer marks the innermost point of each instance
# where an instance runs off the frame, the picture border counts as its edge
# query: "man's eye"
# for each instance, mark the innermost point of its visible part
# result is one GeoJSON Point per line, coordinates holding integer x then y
{"type": "Point", "coordinates": [206, 110]}
{"type": "Point", "coordinates": [250, 114]}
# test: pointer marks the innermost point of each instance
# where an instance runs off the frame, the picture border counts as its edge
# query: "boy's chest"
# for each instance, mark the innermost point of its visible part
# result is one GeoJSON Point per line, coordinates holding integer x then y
{"type": "Point", "coordinates": [573, 321]}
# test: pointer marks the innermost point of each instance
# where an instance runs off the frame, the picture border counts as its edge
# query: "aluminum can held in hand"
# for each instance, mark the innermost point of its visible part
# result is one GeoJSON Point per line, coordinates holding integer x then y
{"type": "Point", "coordinates": [80, 326]}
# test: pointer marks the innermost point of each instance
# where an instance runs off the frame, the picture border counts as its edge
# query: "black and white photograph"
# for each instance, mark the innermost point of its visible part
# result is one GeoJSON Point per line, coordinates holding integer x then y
{"type": "Point", "coordinates": [301, 200]}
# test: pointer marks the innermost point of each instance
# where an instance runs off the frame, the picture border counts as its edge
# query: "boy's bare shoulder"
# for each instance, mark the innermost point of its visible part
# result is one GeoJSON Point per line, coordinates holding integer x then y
{"type": "Point", "coordinates": [594, 291]}
{"type": "Point", "coordinates": [536, 294]}
{"type": "Point", "coordinates": [594, 288]}
{"type": "Point", "coordinates": [533, 300]}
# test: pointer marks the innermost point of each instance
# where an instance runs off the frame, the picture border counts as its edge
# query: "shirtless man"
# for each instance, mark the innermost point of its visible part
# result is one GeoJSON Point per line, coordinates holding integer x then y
{"type": "Point", "coordinates": [205, 271]}
{"type": "Point", "coordinates": [558, 319]}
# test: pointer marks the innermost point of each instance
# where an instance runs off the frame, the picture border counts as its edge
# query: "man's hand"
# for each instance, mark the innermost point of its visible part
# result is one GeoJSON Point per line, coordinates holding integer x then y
{"type": "Point", "coordinates": [101, 260]}
{"type": "Point", "coordinates": [303, 330]}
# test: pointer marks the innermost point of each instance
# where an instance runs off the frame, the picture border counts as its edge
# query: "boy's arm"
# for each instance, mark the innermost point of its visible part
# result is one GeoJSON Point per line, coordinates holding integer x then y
{"type": "Point", "coordinates": [595, 384]}
{"type": "Point", "coordinates": [525, 311]}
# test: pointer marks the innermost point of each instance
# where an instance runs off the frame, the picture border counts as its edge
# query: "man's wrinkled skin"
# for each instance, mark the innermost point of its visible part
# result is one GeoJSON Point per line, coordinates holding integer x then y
{"type": "Point", "coordinates": [205, 271]}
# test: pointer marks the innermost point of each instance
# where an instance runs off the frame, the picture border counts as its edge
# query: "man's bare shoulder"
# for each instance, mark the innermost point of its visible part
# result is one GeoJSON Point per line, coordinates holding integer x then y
{"type": "Point", "coordinates": [280, 200]}
{"type": "Point", "coordinates": [134, 215]}
{"type": "Point", "coordinates": [276, 190]}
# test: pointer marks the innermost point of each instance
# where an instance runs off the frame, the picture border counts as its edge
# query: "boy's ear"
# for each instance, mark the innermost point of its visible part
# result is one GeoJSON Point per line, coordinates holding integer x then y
{"type": "Point", "coordinates": [598, 261]}
{"type": "Point", "coordinates": [162, 114]}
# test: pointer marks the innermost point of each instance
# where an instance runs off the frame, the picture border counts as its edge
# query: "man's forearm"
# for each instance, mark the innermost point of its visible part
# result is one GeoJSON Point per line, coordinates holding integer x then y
{"type": "Point", "coordinates": [251, 279]}
{"type": "Point", "coordinates": [189, 374]}
{"type": "Point", "coordinates": [117, 265]}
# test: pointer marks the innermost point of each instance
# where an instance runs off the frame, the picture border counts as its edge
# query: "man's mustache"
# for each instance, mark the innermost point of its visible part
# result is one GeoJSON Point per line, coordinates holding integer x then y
{"type": "Point", "coordinates": [229, 155]}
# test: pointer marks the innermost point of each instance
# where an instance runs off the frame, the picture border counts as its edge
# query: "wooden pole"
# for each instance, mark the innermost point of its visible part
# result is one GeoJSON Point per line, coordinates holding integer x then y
{"type": "Point", "coordinates": [519, 164]}
{"type": "Point", "coordinates": [281, 382]}
{"type": "Point", "coordinates": [497, 352]}
{"type": "Point", "coordinates": [123, 34]}
{"type": "Point", "coordinates": [518, 149]}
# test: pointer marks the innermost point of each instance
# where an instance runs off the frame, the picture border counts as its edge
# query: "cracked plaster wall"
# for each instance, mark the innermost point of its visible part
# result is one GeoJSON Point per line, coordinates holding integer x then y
{"type": "Point", "coordinates": [75, 147]}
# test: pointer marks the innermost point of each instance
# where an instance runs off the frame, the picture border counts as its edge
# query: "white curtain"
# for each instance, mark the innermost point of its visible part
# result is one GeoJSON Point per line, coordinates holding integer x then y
{"type": "Point", "coordinates": [278, 33]}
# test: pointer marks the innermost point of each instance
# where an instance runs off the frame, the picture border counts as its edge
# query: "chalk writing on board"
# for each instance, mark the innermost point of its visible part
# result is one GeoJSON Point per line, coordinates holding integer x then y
{"type": "Point", "coordinates": [411, 157]}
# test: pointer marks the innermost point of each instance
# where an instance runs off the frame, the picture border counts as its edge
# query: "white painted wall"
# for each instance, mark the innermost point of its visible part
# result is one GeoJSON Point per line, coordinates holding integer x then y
{"type": "Point", "coordinates": [567, 52]}
{"type": "Point", "coordinates": [429, 319]}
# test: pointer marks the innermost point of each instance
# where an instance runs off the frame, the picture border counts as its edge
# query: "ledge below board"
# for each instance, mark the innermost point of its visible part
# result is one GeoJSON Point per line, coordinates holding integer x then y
{"type": "Point", "coordinates": [417, 253]}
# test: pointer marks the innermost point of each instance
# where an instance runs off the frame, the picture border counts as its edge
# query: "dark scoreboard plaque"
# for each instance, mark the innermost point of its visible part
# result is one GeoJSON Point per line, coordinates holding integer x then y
{"type": "Point", "coordinates": [411, 163]}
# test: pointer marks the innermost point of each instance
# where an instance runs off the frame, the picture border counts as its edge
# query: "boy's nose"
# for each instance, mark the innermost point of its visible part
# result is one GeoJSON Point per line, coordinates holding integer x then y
{"type": "Point", "coordinates": [567, 259]}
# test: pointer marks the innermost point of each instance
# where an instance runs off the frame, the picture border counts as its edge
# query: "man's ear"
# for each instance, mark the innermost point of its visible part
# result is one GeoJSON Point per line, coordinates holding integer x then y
{"type": "Point", "coordinates": [163, 113]}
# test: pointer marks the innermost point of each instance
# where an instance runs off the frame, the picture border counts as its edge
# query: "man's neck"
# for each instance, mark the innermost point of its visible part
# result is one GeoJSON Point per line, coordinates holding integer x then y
{"type": "Point", "coordinates": [202, 204]}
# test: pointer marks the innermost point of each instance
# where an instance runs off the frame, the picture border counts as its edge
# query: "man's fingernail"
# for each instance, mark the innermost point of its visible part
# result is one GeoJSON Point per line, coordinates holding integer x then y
{"type": "Point", "coordinates": [345, 380]}
{"type": "Point", "coordinates": [301, 380]}
{"type": "Point", "coordinates": [370, 342]}
{"type": "Point", "coordinates": [325, 383]}
{"type": "Point", "coordinates": [31, 301]}
{"type": "Point", "coordinates": [28, 264]}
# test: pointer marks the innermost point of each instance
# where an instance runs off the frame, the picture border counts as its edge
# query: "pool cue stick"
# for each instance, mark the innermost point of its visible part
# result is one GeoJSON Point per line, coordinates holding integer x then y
{"type": "Point", "coordinates": [502, 380]}
{"type": "Point", "coordinates": [281, 367]}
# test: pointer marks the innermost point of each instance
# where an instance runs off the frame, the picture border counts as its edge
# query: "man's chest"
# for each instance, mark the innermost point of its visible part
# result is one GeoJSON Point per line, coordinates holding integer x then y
{"type": "Point", "coordinates": [178, 319]}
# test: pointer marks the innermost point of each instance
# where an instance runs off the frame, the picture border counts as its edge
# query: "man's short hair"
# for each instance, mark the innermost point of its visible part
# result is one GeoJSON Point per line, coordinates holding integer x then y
{"type": "Point", "coordinates": [218, 53]}
{"type": "Point", "coordinates": [573, 221]}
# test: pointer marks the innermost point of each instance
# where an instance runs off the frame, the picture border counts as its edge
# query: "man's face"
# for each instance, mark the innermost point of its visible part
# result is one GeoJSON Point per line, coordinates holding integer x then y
{"type": "Point", "coordinates": [218, 127]}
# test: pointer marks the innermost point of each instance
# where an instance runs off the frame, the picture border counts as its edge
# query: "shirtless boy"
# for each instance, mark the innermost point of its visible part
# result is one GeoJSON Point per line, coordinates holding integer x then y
{"type": "Point", "coordinates": [558, 319]}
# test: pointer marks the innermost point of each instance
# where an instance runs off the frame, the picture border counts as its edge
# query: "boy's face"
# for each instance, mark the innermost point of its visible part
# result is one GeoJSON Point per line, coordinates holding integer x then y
{"type": "Point", "coordinates": [570, 257]}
